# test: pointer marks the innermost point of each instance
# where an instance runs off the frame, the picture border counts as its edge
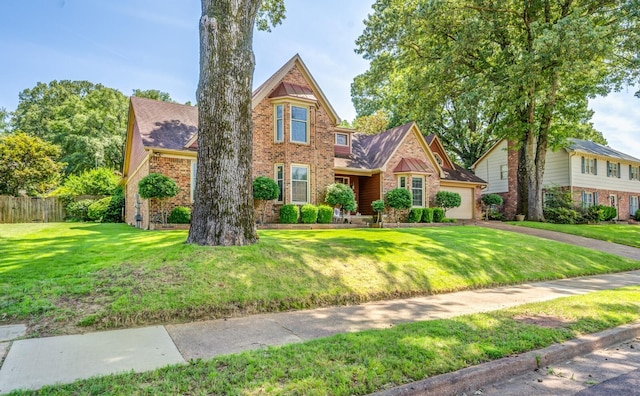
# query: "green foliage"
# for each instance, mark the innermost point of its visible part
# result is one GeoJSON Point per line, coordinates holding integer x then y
{"type": "Point", "coordinates": [289, 214]}
{"type": "Point", "coordinates": [415, 215]}
{"type": "Point", "coordinates": [309, 214]}
{"type": "Point", "coordinates": [558, 198]}
{"type": "Point", "coordinates": [270, 14]}
{"type": "Point", "coordinates": [427, 215]}
{"type": "Point", "coordinates": [98, 209]}
{"type": "Point", "coordinates": [562, 215]}
{"type": "Point", "coordinates": [98, 181]}
{"type": "Point", "coordinates": [154, 94]}
{"type": "Point", "coordinates": [491, 199]}
{"type": "Point", "coordinates": [341, 195]}
{"type": "Point", "coordinates": [593, 214]}
{"type": "Point", "coordinates": [447, 200]}
{"type": "Point", "coordinates": [398, 198]}
{"type": "Point", "coordinates": [156, 185]}
{"type": "Point", "coordinates": [438, 215]}
{"type": "Point", "coordinates": [608, 212]}
{"type": "Point", "coordinates": [180, 215]}
{"type": "Point", "coordinates": [372, 124]}
{"type": "Point", "coordinates": [325, 214]}
{"type": "Point", "coordinates": [4, 121]}
{"type": "Point", "coordinates": [27, 163]}
{"type": "Point", "coordinates": [79, 211]}
{"type": "Point", "coordinates": [637, 214]}
{"type": "Point", "coordinates": [87, 121]}
{"type": "Point", "coordinates": [116, 207]}
{"type": "Point", "coordinates": [265, 189]}
{"type": "Point", "coordinates": [495, 215]}
{"type": "Point", "coordinates": [378, 207]}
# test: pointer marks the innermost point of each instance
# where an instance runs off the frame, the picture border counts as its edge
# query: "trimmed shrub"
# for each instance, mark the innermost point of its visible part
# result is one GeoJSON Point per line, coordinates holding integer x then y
{"type": "Point", "coordinates": [637, 215]}
{"type": "Point", "coordinates": [180, 215]}
{"type": "Point", "coordinates": [415, 215]}
{"type": "Point", "coordinates": [289, 214]}
{"type": "Point", "coordinates": [97, 210]}
{"type": "Point", "coordinates": [491, 199]}
{"type": "Point", "coordinates": [448, 200]}
{"type": "Point", "coordinates": [98, 181]}
{"type": "Point", "coordinates": [593, 214]}
{"type": "Point", "coordinates": [438, 215]}
{"type": "Point", "coordinates": [427, 215]}
{"type": "Point", "coordinates": [77, 211]}
{"type": "Point", "coordinates": [609, 212]}
{"type": "Point", "coordinates": [397, 199]}
{"type": "Point", "coordinates": [264, 189]}
{"type": "Point", "coordinates": [156, 185]}
{"type": "Point", "coordinates": [343, 195]}
{"type": "Point", "coordinates": [561, 215]}
{"type": "Point", "coordinates": [325, 214]}
{"type": "Point", "coordinates": [378, 207]}
{"type": "Point", "coordinates": [113, 213]}
{"type": "Point", "coordinates": [309, 214]}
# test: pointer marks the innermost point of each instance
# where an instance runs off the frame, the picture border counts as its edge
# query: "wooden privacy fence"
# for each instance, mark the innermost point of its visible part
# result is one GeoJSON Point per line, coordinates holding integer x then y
{"type": "Point", "coordinates": [29, 210]}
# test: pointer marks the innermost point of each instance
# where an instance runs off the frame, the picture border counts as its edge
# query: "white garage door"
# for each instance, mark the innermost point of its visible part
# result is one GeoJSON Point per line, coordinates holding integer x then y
{"type": "Point", "coordinates": [465, 210]}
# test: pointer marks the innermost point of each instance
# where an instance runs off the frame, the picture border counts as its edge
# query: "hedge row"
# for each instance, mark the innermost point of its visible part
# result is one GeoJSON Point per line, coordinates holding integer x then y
{"type": "Point", "coordinates": [308, 214]}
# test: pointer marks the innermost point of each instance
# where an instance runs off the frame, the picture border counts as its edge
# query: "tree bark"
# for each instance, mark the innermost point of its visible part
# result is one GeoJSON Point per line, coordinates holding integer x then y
{"type": "Point", "coordinates": [223, 205]}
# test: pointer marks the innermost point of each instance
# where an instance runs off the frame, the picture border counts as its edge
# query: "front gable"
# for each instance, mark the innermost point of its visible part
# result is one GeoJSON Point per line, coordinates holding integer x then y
{"type": "Point", "coordinates": [414, 145]}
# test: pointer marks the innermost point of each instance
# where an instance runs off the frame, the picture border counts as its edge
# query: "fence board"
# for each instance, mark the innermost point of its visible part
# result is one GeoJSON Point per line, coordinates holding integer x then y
{"type": "Point", "coordinates": [29, 210]}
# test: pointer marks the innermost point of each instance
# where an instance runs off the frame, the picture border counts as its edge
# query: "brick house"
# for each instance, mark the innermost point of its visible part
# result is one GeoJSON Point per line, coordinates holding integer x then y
{"type": "Point", "coordinates": [298, 143]}
{"type": "Point", "coordinates": [593, 173]}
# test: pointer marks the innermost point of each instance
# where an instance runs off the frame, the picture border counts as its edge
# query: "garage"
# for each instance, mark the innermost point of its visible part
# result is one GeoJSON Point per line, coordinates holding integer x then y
{"type": "Point", "coordinates": [465, 210]}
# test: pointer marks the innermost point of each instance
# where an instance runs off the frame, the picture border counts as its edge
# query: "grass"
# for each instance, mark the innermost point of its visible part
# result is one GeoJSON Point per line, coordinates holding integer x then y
{"type": "Point", "coordinates": [360, 363]}
{"type": "Point", "coordinates": [617, 233]}
{"type": "Point", "coordinates": [64, 275]}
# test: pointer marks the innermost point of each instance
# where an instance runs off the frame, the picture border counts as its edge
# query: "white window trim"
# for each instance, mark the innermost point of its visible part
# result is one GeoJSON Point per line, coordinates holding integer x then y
{"type": "Point", "coordinates": [346, 135]}
{"type": "Point", "coordinates": [590, 166]}
{"type": "Point", "coordinates": [275, 122]}
{"type": "Point", "coordinates": [637, 173]}
{"type": "Point", "coordinates": [424, 182]}
{"type": "Point", "coordinates": [405, 181]}
{"type": "Point", "coordinates": [506, 172]}
{"type": "Point", "coordinates": [438, 159]}
{"type": "Point", "coordinates": [194, 170]}
{"type": "Point", "coordinates": [291, 183]}
{"type": "Point", "coordinates": [307, 134]}
{"type": "Point", "coordinates": [275, 177]}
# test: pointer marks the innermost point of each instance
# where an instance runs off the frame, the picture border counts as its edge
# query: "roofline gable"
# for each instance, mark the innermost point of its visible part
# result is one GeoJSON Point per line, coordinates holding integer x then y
{"type": "Point", "coordinates": [425, 147]}
{"type": "Point", "coordinates": [129, 140]}
{"type": "Point", "coordinates": [496, 144]}
{"type": "Point", "coordinates": [265, 89]}
{"type": "Point", "coordinates": [437, 140]}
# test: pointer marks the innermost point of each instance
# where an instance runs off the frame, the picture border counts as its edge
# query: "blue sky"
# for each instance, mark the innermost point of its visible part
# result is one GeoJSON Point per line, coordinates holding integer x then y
{"type": "Point", "coordinates": [154, 44]}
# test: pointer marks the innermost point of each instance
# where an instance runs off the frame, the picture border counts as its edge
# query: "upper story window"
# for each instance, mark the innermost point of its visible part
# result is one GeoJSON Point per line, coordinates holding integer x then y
{"type": "Point", "coordinates": [279, 123]}
{"type": "Point", "coordinates": [613, 169]}
{"type": "Point", "coordinates": [634, 172]}
{"type": "Point", "coordinates": [299, 124]}
{"type": "Point", "coordinates": [589, 166]}
{"type": "Point", "coordinates": [503, 172]}
{"type": "Point", "coordinates": [342, 139]}
{"type": "Point", "coordinates": [438, 158]}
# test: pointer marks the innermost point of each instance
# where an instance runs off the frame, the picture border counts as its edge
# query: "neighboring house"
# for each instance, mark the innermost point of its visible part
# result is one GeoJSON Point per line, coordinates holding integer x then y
{"type": "Point", "coordinates": [595, 174]}
{"type": "Point", "coordinates": [298, 143]}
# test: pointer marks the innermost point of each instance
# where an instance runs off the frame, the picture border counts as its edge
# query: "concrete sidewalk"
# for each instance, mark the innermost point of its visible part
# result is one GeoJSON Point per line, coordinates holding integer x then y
{"type": "Point", "coordinates": [33, 363]}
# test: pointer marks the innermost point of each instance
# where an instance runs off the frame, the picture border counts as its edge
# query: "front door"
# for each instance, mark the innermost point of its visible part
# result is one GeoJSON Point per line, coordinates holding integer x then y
{"type": "Point", "coordinates": [613, 202]}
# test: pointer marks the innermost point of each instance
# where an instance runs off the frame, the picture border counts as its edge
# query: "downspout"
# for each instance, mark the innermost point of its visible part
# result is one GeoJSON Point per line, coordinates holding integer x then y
{"type": "Point", "coordinates": [571, 155]}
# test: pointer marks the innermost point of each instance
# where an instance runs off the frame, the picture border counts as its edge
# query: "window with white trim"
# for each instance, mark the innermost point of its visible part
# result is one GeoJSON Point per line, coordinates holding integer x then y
{"type": "Point", "coordinates": [279, 177]}
{"type": "Point", "coordinates": [299, 124]}
{"type": "Point", "coordinates": [194, 168]}
{"type": "Point", "coordinates": [279, 123]}
{"type": "Point", "coordinates": [342, 139]}
{"type": "Point", "coordinates": [402, 182]}
{"type": "Point", "coordinates": [633, 205]}
{"type": "Point", "coordinates": [588, 199]}
{"type": "Point", "coordinates": [634, 173]}
{"type": "Point", "coordinates": [438, 158]}
{"type": "Point", "coordinates": [504, 172]}
{"type": "Point", "coordinates": [417, 191]}
{"type": "Point", "coordinates": [613, 169]}
{"type": "Point", "coordinates": [299, 183]}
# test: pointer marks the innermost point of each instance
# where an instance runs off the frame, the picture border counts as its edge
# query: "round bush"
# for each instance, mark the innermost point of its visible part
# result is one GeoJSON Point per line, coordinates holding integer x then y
{"type": "Point", "coordinates": [309, 214]}
{"type": "Point", "coordinates": [427, 215]}
{"type": "Point", "coordinates": [637, 215]}
{"type": "Point", "coordinates": [415, 215]}
{"type": "Point", "coordinates": [438, 215]}
{"type": "Point", "coordinates": [289, 214]}
{"type": "Point", "coordinates": [325, 214]}
{"type": "Point", "coordinates": [180, 215]}
{"type": "Point", "coordinates": [398, 198]}
{"type": "Point", "coordinates": [491, 199]}
{"type": "Point", "coordinates": [265, 189]}
{"type": "Point", "coordinates": [343, 195]}
{"type": "Point", "coordinates": [156, 185]}
{"type": "Point", "coordinates": [77, 211]}
{"type": "Point", "coordinates": [97, 210]}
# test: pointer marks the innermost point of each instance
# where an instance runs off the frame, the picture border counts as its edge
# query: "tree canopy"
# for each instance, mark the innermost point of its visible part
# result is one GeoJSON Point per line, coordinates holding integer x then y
{"type": "Point", "coordinates": [154, 94]}
{"type": "Point", "coordinates": [27, 164]}
{"type": "Point", "coordinates": [483, 70]}
{"type": "Point", "coordinates": [87, 121]}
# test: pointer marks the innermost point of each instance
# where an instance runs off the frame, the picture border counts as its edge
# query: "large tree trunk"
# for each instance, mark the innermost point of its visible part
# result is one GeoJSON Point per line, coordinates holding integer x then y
{"type": "Point", "coordinates": [223, 206]}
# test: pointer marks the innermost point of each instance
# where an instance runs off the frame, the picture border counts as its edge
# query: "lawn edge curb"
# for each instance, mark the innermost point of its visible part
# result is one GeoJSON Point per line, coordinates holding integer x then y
{"type": "Point", "coordinates": [472, 378]}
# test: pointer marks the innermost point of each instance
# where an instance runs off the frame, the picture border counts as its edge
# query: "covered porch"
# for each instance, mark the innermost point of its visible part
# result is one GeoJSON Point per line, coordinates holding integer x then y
{"type": "Point", "coordinates": [367, 188]}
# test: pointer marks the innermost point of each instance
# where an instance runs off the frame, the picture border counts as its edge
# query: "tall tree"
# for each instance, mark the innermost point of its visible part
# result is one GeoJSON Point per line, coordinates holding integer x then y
{"type": "Point", "coordinates": [4, 121]}
{"type": "Point", "coordinates": [87, 121]}
{"type": "Point", "coordinates": [372, 124]}
{"type": "Point", "coordinates": [535, 63]}
{"type": "Point", "coordinates": [223, 204]}
{"type": "Point", "coordinates": [154, 94]}
{"type": "Point", "coordinates": [27, 164]}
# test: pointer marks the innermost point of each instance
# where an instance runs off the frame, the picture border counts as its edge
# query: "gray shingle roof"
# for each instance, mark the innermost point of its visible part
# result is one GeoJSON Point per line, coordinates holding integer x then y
{"type": "Point", "coordinates": [588, 147]}
{"type": "Point", "coordinates": [164, 125]}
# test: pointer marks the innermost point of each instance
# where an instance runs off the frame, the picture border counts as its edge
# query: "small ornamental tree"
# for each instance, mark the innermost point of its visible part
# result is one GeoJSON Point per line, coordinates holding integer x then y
{"type": "Point", "coordinates": [398, 199]}
{"type": "Point", "coordinates": [160, 187]}
{"type": "Point", "coordinates": [341, 195]}
{"type": "Point", "coordinates": [448, 200]}
{"type": "Point", "coordinates": [378, 207]}
{"type": "Point", "coordinates": [264, 189]}
{"type": "Point", "coordinates": [490, 201]}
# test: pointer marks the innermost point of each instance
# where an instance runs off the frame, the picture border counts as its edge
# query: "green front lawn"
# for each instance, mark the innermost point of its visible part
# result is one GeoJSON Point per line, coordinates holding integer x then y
{"type": "Point", "coordinates": [360, 363]}
{"type": "Point", "coordinates": [617, 233]}
{"type": "Point", "coordinates": [58, 276]}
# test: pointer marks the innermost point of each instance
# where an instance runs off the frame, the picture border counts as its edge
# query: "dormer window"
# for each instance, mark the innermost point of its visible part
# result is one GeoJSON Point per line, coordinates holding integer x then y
{"type": "Point", "coordinates": [342, 139]}
{"type": "Point", "coordinates": [299, 124]}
